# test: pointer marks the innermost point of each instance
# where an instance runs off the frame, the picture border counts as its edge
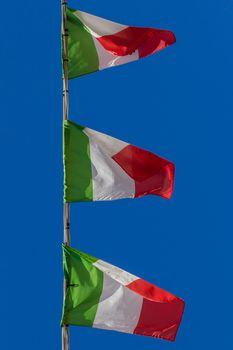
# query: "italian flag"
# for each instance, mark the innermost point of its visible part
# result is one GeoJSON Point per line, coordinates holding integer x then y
{"type": "Point", "coordinates": [100, 167]}
{"type": "Point", "coordinates": [104, 296]}
{"type": "Point", "coordinates": [95, 43]}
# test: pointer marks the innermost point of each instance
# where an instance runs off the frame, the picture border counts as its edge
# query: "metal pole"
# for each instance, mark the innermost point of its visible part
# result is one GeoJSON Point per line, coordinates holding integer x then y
{"type": "Point", "coordinates": [66, 210]}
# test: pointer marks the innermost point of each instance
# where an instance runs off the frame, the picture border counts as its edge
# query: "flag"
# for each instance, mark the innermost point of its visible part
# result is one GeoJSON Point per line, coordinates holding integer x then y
{"type": "Point", "coordinates": [101, 295]}
{"type": "Point", "coordinates": [100, 167]}
{"type": "Point", "coordinates": [95, 43]}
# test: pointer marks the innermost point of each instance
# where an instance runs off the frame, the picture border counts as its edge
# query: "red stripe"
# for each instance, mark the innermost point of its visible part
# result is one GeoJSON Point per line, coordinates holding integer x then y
{"type": "Point", "coordinates": [145, 40]}
{"type": "Point", "coordinates": [161, 312]}
{"type": "Point", "coordinates": [151, 173]}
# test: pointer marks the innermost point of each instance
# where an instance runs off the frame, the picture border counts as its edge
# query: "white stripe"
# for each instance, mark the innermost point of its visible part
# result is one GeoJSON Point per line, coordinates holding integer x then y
{"type": "Point", "coordinates": [119, 308]}
{"type": "Point", "coordinates": [115, 272]}
{"type": "Point", "coordinates": [98, 26]}
{"type": "Point", "coordinates": [107, 59]}
{"type": "Point", "coordinates": [109, 180]}
{"type": "Point", "coordinates": [110, 145]}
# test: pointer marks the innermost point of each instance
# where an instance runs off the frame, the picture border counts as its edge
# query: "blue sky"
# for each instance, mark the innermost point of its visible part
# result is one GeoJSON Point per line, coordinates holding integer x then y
{"type": "Point", "coordinates": [178, 104]}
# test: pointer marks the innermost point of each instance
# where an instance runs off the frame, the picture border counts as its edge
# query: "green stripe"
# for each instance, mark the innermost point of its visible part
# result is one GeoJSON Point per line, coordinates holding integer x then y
{"type": "Point", "coordinates": [85, 284]}
{"type": "Point", "coordinates": [82, 54]}
{"type": "Point", "coordinates": [77, 164]}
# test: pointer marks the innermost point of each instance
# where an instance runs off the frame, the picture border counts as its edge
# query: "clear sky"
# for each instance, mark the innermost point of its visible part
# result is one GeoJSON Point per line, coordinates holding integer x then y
{"type": "Point", "coordinates": [178, 104]}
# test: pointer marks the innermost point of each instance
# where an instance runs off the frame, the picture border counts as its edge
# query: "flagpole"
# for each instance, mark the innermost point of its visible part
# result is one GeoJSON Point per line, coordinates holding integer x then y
{"type": "Point", "coordinates": [66, 208]}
